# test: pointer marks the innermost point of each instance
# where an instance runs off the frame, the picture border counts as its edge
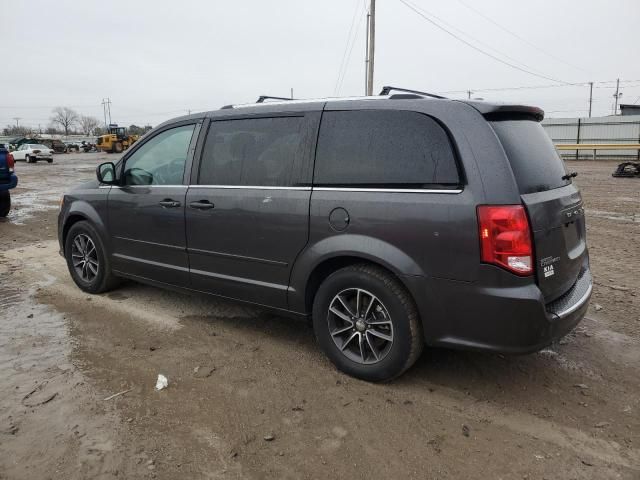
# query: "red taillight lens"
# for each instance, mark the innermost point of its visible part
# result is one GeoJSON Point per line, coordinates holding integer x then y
{"type": "Point", "coordinates": [10, 162]}
{"type": "Point", "coordinates": [505, 237]}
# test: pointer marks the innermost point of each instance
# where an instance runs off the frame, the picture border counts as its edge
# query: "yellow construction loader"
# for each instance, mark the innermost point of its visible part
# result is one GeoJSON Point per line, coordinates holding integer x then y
{"type": "Point", "coordinates": [117, 140]}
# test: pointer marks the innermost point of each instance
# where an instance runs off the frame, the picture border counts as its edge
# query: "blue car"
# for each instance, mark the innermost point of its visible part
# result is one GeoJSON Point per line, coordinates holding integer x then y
{"type": "Point", "coordinates": [8, 180]}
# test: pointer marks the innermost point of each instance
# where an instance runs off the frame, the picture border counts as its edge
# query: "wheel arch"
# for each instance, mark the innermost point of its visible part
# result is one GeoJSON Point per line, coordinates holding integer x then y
{"type": "Point", "coordinates": [322, 258]}
{"type": "Point", "coordinates": [334, 263]}
{"type": "Point", "coordinates": [82, 211]}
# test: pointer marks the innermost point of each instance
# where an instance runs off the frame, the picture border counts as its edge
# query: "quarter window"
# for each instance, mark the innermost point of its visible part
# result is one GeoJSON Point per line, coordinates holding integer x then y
{"type": "Point", "coordinates": [383, 148]}
{"type": "Point", "coordinates": [161, 160]}
{"type": "Point", "coordinates": [252, 152]}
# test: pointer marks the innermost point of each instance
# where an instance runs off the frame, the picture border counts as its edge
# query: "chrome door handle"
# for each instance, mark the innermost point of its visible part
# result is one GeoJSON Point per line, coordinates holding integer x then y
{"type": "Point", "coordinates": [168, 203]}
{"type": "Point", "coordinates": [202, 205]}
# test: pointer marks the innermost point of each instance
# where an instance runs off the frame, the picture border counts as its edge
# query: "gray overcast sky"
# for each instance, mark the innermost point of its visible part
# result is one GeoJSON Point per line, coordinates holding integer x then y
{"type": "Point", "coordinates": [156, 59]}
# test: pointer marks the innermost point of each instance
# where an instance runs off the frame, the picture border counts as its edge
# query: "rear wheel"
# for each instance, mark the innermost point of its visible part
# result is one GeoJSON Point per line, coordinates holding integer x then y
{"type": "Point", "coordinates": [87, 259]}
{"type": "Point", "coordinates": [367, 323]}
{"type": "Point", "coordinates": [117, 147]}
{"type": "Point", "coordinates": [27, 158]}
{"type": "Point", "coordinates": [49, 160]}
{"type": "Point", "coordinates": [5, 203]}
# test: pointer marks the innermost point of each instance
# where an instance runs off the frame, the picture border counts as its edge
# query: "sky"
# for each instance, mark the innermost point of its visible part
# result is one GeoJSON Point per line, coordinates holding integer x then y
{"type": "Point", "coordinates": [156, 59]}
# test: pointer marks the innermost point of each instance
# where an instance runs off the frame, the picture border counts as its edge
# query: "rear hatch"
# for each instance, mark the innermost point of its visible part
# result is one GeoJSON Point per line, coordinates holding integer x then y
{"type": "Point", "coordinates": [553, 203]}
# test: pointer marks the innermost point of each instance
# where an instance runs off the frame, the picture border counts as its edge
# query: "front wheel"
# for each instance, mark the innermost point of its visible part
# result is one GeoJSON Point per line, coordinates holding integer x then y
{"type": "Point", "coordinates": [5, 203]}
{"type": "Point", "coordinates": [87, 259]}
{"type": "Point", "coordinates": [49, 160]}
{"type": "Point", "coordinates": [367, 323]}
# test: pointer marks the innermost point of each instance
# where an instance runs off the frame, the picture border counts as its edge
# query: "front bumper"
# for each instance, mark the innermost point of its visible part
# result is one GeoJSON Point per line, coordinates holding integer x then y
{"type": "Point", "coordinates": [508, 319]}
{"type": "Point", "coordinates": [13, 182]}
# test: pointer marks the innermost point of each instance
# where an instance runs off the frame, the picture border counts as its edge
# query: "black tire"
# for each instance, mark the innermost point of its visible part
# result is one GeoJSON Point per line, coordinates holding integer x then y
{"type": "Point", "coordinates": [104, 280]}
{"type": "Point", "coordinates": [117, 147]}
{"type": "Point", "coordinates": [406, 329]}
{"type": "Point", "coordinates": [49, 160]}
{"type": "Point", "coordinates": [5, 203]}
{"type": "Point", "coordinates": [27, 158]}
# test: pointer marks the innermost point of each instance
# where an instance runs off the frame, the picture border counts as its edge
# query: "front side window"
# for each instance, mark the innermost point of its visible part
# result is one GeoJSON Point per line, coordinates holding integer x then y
{"type": "Point", "coordinates": [252, 152]}
{"type": "Point", "coordinates": [384, 148]}
{"type": "Point", "coordinates": [161, 160]}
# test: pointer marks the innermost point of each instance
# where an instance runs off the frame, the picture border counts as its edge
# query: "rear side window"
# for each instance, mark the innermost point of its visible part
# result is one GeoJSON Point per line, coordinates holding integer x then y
{"type": "Point", "coordinates": [533, 158]}
{"type": "Point", "coordinates": [384, 148]}
{"type": "Point", "coordinates": [252, 152]}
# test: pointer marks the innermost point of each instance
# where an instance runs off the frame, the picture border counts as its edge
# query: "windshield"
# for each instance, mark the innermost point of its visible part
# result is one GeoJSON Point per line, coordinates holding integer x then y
{"type": "Point", "coordinates": [533, 158]}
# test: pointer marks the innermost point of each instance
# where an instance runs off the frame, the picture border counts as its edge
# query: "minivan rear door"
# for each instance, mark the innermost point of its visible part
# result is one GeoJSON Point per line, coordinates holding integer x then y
{"type": "Point", "coordinates": [247, 214]}
{"type": "Point", "coordinates": [553, 203]}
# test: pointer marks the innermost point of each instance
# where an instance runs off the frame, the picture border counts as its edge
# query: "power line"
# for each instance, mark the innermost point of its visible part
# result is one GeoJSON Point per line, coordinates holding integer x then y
{"type": "Point", "coordinates": [478, 41]}
{"type": "Point", "coordinates": [346, 48]}
{"type": "Point", "coordinates": [344, 73]}
{"type": "Point", "coordinates": [532, 45]}
{"type": "Point", "coordinates": [478, 49]}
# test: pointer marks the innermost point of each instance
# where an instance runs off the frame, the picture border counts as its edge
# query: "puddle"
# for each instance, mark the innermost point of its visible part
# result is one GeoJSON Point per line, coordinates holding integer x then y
{"type": "Point", "coordinates": [25, 205]}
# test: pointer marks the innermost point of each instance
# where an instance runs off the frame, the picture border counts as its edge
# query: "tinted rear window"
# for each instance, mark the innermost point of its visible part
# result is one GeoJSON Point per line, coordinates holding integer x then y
{"type": "Point", "coordinates": [384, 148]}
{"type": "Point", "coordinates": [255, 152]}
{"type": "Point", "coordinates": [534, 160]}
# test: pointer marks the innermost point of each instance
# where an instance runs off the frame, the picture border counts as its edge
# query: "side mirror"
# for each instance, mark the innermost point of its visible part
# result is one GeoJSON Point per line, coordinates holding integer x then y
{"type": "Point", "coordinates": [106, 173]}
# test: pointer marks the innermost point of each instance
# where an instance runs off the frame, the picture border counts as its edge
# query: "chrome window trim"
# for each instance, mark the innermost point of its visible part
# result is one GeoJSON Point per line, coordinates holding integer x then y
{"type": "Point", "coordinates": [446, 191]}
{"type": "Point", "coordinates": [143, 186]}
{"type": "Point", "coordinates": [389, 190]}
{"type": "Point", "coordinates": [251, 187]}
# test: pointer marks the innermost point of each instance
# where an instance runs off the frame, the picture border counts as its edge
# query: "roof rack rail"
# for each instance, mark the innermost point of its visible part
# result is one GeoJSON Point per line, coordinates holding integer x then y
{"type": "Point", "coordinates": [388, 89]}
{"type": "Point", "coordinates": [262, 98]}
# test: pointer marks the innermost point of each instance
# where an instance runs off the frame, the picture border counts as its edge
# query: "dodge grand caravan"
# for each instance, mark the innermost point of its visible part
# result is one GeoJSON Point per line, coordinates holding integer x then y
{"type": "Point", "coordinates": [394, 222]}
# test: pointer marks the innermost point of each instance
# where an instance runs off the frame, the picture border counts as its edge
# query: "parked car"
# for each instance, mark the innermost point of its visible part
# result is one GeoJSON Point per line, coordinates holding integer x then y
{"type": "Point", "coordinates": [30, 152]}
{"type": "Point", "coordinates": [58, 146]}
{"type": "Point", "coordinates": [393, 222]}
{"type": "Point", "coordinates": [73, 146]}
{"type": "Point", "coordinates": [8, 179]}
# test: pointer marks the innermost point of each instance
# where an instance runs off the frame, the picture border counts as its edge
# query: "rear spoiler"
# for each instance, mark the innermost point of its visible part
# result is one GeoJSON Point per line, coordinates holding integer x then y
{"type": "Point", "coordinates": [494, 111]}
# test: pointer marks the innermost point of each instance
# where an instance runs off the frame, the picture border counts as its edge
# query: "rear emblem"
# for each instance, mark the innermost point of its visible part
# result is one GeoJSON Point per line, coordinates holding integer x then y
{"type": "Point", "coordinates": [547, 266]}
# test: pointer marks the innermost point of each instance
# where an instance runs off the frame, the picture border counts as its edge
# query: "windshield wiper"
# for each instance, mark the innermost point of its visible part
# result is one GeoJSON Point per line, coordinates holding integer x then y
{"type": "Point", "coordinates": [569, 176]}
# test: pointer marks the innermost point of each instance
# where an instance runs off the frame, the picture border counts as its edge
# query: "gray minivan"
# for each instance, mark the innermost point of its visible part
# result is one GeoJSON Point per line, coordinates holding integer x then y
{"type": "Point", "coordinates": [393, 221]}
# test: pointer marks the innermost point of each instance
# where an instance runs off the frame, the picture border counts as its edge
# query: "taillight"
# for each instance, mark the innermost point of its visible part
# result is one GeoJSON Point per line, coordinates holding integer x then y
{"type": "Point", "coordinates": [505, 237]}
{"type": "Point", "coordinates": [10, 162]}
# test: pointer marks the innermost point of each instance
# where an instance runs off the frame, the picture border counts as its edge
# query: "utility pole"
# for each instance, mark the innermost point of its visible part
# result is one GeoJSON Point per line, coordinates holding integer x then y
{"type": "Point", "coordinates": [469, 92]}
{"type": "Point", "coordinates": [106, 109]}
{"type": "Point", "coordinates": [371, 38]}
{"type": "Point", "coordinates": [617, 95]}
{"type": "Point", "coordinates": [17, 119]}
{"type": "Point", "coordinates": [291, 93]}
{"type": "Point", "coordinates": [366, 58]}
{"type": "Point", "coordinates": [590, 97]}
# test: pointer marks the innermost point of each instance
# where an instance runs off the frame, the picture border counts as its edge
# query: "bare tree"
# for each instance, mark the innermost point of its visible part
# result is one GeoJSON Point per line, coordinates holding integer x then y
{"type": "Point", "coordinates": [88, 124]}
{"type": "Point", "coordinates": [65, 117]}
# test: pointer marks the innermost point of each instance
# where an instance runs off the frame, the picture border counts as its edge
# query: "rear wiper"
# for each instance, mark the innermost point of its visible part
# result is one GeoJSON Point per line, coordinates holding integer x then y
{"type": "Point", "coordinates": [569, 176]}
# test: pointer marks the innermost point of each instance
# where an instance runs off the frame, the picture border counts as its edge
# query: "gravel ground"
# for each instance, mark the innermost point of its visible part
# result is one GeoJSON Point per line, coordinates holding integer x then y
{"type": "Point", "coordinates": [251, 396]}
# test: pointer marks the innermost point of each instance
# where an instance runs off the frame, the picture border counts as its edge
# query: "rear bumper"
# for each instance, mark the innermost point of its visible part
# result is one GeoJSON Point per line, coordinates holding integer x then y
{"type": "Point", "coordinates": [13, 182]}
{"type": "Point", "coordinates": [512, 319]}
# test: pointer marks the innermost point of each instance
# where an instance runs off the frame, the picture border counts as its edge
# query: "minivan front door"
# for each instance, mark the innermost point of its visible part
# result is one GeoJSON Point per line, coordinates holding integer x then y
{"type": "Point", "coordinates": [247, 213]}
{"type": "Point", "coordinates": [146, 212]}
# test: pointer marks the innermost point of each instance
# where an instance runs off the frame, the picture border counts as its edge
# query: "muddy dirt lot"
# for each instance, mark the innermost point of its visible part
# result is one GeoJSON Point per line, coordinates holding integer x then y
{"type": "Point", "coordinates": [251, 396]}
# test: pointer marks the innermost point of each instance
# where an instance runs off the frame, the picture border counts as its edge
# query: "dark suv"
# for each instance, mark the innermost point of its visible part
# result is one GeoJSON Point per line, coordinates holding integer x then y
{"type": "Point", "coordinates": [393, 221]}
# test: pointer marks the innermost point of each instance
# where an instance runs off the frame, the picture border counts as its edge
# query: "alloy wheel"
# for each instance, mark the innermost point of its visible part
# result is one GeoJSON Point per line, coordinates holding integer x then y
{"type": "Point", "coordinates": [360, 326]}
{"type": "Point", "coordinates": [84, 257]}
